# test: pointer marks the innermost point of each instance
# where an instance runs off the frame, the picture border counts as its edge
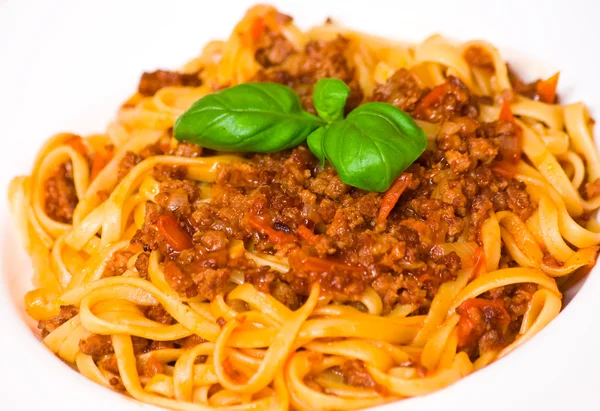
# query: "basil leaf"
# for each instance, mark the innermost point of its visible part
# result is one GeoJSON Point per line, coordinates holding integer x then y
{"type": "Point", "coordinates": [315, 143]}
{"type": "Point", "coordinates": [373, 145]}
{"type": "Point", "coordinates": [329, 98]}
{"type": "Point", "coordinates": [257, 117]}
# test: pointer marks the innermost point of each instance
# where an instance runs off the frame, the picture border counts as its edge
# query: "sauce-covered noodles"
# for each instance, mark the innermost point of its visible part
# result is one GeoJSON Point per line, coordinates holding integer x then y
{"type": "Point", "coordinates": [195, 279]}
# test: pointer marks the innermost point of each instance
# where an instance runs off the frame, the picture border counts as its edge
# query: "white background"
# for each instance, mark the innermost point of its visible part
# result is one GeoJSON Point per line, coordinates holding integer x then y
{"type": "Point", "coordinates": [67, 65]}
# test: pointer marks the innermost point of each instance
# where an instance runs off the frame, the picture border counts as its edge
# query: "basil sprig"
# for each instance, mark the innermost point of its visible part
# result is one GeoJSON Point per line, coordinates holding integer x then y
{"type": "Point", "coordinates": [329, 98]}
{"type": "Point", "coordinates": [258, 117]}
{"type": "Point", "coordinates": [369, 149]}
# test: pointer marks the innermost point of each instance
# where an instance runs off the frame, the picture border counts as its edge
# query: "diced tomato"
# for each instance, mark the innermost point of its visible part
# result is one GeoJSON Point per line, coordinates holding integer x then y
{"type": "Point", "coordinates": [276, 236]}
{"type": "Point", "coordinates": [100, 161]}
{"type": "Point", "coordinates": [391, 197]}
{"type": "Point", "coordinates": [175, 236]}
{"type": "Point", "coordinates": [546, 89]}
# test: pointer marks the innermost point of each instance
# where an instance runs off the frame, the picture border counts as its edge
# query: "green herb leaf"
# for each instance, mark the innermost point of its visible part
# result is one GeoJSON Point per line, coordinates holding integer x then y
{"type": "Point", "coordinates": [373, 145]}
{"type": "Point", "coordinates": [315, 143]}
{"type": "Point", "coordinates": [257, 117]}
{"type": "Point", "coordinates": [329, 98]}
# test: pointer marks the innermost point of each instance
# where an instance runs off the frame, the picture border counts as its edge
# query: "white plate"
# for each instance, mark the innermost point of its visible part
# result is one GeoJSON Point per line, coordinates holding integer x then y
{"type": "Point", "coordinates": [66, 66]}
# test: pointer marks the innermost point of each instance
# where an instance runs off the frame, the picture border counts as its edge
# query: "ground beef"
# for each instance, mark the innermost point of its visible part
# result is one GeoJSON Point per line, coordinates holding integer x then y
{"type": "Point", "coordinates": [96, 345]}
{"type": "Point", "coordinates": [141, 264]}
{"type": "Point", "coordinates": [110, 365]}
{"type": "Point", "coordinates": [477, 57]}
{"type": "Point", "coordinates": [151, 82]}
{"type": "Point", "coordinates": [273, 49]}
{"type": "Point", "coordinates": [185, 149]}
{"type": "Point", "coordinates": [592, 189]}
{"type": "Point", "coordinates": [159, 314]}
{"type": "Point", "coordinates": [66, 313]}
{"type": "Point", "coordinates": [401, 89]}
{"type": "Point", "coordinates": [356, 374]}
{"type": "Point", "coordinates": [484, 326]}
{"type": "Point", "coordinates": [301, 70]}
{"type": "Point", "coordinates": [180, 281]}
{"type": "Point", "coordinates": [117, 264]}
{"type": "Point", "coordinates": [455, 101]}
{"type": "Point", "coordinates": [99, 345]}
{"type": "Point", "coordinates": [129, 160]}
{"type": "Point", "coordinates": [60, 196]}
{"type": "Point", "coordinates": [285, 294]}
{"type": "Point", "coordinates": [286, 204]}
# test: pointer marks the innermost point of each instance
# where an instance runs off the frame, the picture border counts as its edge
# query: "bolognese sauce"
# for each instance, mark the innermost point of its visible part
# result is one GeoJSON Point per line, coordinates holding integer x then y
{"type": "Point", "coordinates": [195, 271]}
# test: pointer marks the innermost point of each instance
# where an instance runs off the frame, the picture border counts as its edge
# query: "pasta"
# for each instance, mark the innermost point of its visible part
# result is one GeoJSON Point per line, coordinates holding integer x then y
{"type": "Point", "coordinates": [194, 279]}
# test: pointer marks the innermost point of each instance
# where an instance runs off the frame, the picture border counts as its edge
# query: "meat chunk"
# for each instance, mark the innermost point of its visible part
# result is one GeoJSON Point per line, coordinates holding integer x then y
{"type": "Point", "coordinates": [285, 294]}
{"type": "Point", "coordinates": [151, 82]}
{"type": "Point", "coordinates": [96, 345]}
{"type": "Point", "coordinates": [66, 313]}
{"type": "Point", "coordinates": [592, 189]}
{"type": "Point", "coordinates": [60, 196]}
{"type": "Point", "coordinates": [356, 374]}
{"type": "Point", "coordinates": [477, 57]}
{"type": "Point", "coordinates": [180, 281]}
{"type": "Point", "coordinates": [141, 264]}
{"type": "Point", "coordinates": [159, 314]}
{"type": "Point", "coordinates": [129, 160]}
{"type": "Point", "coordinates": [400, 90]}
{"type": "Point", "coordinates": [117, 264]}
{"type": "Point", "coordinates": [273, 49]}
{"type": "Point", "coordinates": [185, 149]}
{"type": "Point", "coordinates": [300, 71]}
{"type": "Point", "coordinates": [482, 326]}
{"type": "Point", "coordinates": [446, 101]}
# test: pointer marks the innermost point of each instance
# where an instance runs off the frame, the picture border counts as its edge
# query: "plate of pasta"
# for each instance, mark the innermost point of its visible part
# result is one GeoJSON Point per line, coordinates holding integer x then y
{"type": "Point", "coordinates": [300, 207]}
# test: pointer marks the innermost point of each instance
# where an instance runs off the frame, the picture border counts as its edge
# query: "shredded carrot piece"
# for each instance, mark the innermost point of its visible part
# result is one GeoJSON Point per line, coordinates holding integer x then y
{"type": "Point", "coordinates": [77, 143]}
{"type": "Point", "coordinates": [306, 234]}
{"type": "Point", "coordinates": [276, 236]}
{"type": "Point", "coordinates": [100, 161]}
{"type": "Point", "coordinates": [176, 237]}
{"type": "Point", "coordinates": [433, 97]}
{"type": "Point", "coordinates": [546, 89]}
{"type": "Point", "coordinates": [322, 265]}
{"type": "Point", "coordinates": [391, 197]}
